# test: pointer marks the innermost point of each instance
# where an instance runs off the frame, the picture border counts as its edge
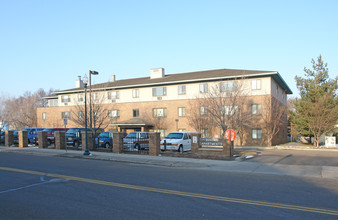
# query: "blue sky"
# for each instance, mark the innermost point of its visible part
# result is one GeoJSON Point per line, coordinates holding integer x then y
{"type": "Point", "coordinates": [47, 44]}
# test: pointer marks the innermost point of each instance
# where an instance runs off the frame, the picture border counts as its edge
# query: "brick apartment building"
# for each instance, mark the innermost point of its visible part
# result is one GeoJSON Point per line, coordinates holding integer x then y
{"type": "Point", "coordinates": [167, 103]}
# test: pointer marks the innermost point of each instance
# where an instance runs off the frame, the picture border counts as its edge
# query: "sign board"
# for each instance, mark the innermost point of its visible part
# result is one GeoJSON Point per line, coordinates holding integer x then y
{"type": "Point", "coordinates": [330, 141]}
{"type": "Point", "coordinates": [194, 139]}
{"type": "Point", "coordinates": [230, 135]}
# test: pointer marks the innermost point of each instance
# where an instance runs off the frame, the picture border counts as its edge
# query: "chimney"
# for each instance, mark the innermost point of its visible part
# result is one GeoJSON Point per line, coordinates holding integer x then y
{"type": "Point", "coordinates": [113, 78]}
{"type": "Point", "coordinates": [78, 82]}
{"type": "Point", "coordinates": [157, 73]}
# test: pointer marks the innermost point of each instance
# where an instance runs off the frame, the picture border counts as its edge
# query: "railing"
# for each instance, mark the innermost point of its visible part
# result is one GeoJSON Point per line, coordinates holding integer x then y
{"type": "Point", "coordinates": [136, 145]}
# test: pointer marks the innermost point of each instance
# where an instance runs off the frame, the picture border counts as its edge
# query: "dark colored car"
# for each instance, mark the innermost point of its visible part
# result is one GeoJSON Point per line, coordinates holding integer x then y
{"type": "Point", "coordinates": [50, 134]}
{"type": "Point", "coordinates": [2, 137]}
{"type": "Point", "coordinates": [105, 139]}
{"type": "Point", "coordinates": [73, 135]}
{"type": "Point", "coordinates": [16, 137]}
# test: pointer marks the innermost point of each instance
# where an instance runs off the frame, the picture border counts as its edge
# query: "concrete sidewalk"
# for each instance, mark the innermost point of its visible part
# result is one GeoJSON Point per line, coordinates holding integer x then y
{"type": "Point", "coordinates": [241, 166]}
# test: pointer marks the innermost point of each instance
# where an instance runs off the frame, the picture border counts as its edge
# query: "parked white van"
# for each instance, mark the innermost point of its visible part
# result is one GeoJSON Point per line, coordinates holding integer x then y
{"type": "Point", "coordinates": [178, 141]}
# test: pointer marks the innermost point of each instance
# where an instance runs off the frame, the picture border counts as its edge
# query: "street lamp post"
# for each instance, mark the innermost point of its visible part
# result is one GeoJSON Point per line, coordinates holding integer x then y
{"type": "Point", "coordinates": [176, 124]}
{"type": "Point", "coordinates": [85, 82]}
{"type": "Point", "coordinates": [91, 72]}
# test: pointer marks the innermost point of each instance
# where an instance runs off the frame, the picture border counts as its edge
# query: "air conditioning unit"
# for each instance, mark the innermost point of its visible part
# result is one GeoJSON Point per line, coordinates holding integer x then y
{"type": "Point", "coordinates": [113, 100]}
{"type": "Point", "coordinates": [66, 103]}
{"type": "Point", "coordinates": [159, 98]}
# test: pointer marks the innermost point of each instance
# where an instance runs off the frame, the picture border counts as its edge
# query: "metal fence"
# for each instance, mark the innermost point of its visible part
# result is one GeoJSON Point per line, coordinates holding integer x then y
{"type": "Point", "coordinates": [136, 145]}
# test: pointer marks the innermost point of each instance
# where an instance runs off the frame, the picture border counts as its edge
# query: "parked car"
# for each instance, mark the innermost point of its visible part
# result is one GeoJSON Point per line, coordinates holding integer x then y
{"type": "Point", "coordinates": [50, 135]}
{"type": "Point", "coordinates": [73, 135]}
{"type": "Point", "coordinates": [16, 137]}
{"type": "Point", "coordinates": [32, 133]}
{"type": "Point", "coordinates": [136, 140]}
{"type": "Point", "coordinates": [105, 139]}
{"type": "Point", "coordinates": [2, 137]}
{"type": "Point", "coordinates": [177, 141]}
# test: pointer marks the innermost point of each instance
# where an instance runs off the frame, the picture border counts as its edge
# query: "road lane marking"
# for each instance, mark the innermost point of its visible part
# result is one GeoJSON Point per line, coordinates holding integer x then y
{"type": "Point", "coordinates": [179, 193]}
{"type": "Point", "coordinates": [42, 179]}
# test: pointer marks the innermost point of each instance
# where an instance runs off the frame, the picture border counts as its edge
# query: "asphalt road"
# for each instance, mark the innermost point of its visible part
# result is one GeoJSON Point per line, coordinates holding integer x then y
{"type": "Point", "coordinates": [44, 187]}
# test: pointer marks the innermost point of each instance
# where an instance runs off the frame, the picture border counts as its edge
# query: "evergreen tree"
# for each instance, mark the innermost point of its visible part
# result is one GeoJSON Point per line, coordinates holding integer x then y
{"type": "Point", "coordinates": [316, 111]}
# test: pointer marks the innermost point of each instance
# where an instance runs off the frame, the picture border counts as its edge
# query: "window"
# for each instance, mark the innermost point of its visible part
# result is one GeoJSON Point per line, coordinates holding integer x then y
{"type": "Point", "coordinates": [203, 88]}
{"type": "Point", "coordinates": [256, 134]}
{"type": "Point", "coordinates": [256, 84]}
{"type": "Point", "coordinates": [160, 91]}
{"type": "Point", "coordinates": [204, 133]}
{"type": "Point", "coordinates": [203, 111]}
{"type": "Point", "coordinates": [136, 113]}
{"type": "Point", "coordinates": [80, 115]}
{"type": "Point", "coordinates": [181, 111]}
{"type": "Point", "coordinates": [113, 95]}
{"type": "Point", "coordinates": [65, 115]}
{"type": "Point", "coordinates": [114, 113]}
{"type": "Point", "coordinates": [135, 93]}
{"type": "Point", "coordinates": [229, 110]}
{"type": "Point", "coordinates": [80, 98]}
{"type": "Point", "coordinates": [181, 90]}
{"type": "Point", "coordinates": [65, 98]}
{"type": "Point", "coordinates": [44, 116]}
{"type": "Point", "coordinates": [256, 109]}
{"type": "Point", "coordinates": [53, 103]}
{"type": "Point", "coordinates": [229, 86]}
{"type": "Point", "coordinates": [159, 112]}
{"type": "Point", "coordinates": [162, 131]}
{"type": "Point", "coordinates": [95, 97]}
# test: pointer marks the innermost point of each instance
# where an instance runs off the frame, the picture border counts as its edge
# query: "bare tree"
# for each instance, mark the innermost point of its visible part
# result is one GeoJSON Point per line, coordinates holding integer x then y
{"type": "Point", "coordinates": [273, 117]}
{"type": "Point", "coordinates": [243, 119]}
{"type": "Point", "coordinates": [101, 118]}
{"type": "Point", "coordinates": [197, 119]}
{"type": "Point", "coordinates": [223, 102]}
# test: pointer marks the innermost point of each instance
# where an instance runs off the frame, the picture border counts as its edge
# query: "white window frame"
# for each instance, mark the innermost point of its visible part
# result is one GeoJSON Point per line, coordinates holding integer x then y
{"type": "Point", "coordinates": [115, 113]}
{"type": "Point", "coordinates": [160, 91]}
{"type": "Point", "coordinates": [181, 111]}
{"type": "Point", "coordinates": [204, 133]}
{"type": "Point", "coordinates": [135, 93]}
{"type": "Point", "coordinates": [80, 97]}
{"type": "Point", "coordinates": [181, 90]}
{"type": "Point", "coordinates": [163, 132]}
{"type": "Point", "coordinates": [256, 109]}
{"type": "Point", "coordinates": [204, 88]}
{"type": "Point", "coordinates": [44, 116]}
{"type": "Point", "coordinates": [203, 111]}
{"type": "Point", "coordinates": [256, 84]}
{"type": "Point", "coordinates": [228, 86]}
{"type": "Point", "coordinates": [65, 98]}
{"type": "Point", "coordinates": [256, 134]}
{"type": "Point", "coordinates": [159, 112]}
{"type": "Point", "coordinates": [65, 115]}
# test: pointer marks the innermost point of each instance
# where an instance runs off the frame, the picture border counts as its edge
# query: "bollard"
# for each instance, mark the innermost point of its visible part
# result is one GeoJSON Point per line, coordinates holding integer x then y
{"type": "Point", "coordinates": [195, 142]}
{"type": "Point", "coordinates": [118, 141]}
{"type": "Point", "coordinates": [9, 138]}
{"type": "Point", "coordinates": [154, 143]}
{"type": "Point", "coordinates": [42, 138]}
{"type": "Point", "coordinates": [60, 140]}
{"type": "Point", "coordinates": [23, 139]}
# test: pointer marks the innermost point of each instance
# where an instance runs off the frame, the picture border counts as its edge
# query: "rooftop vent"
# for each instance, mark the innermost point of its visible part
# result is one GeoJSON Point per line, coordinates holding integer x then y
{"type": "Point", "coordinates": [113, 78]}
{"type": "Point", "coordinates": [157, 73]}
